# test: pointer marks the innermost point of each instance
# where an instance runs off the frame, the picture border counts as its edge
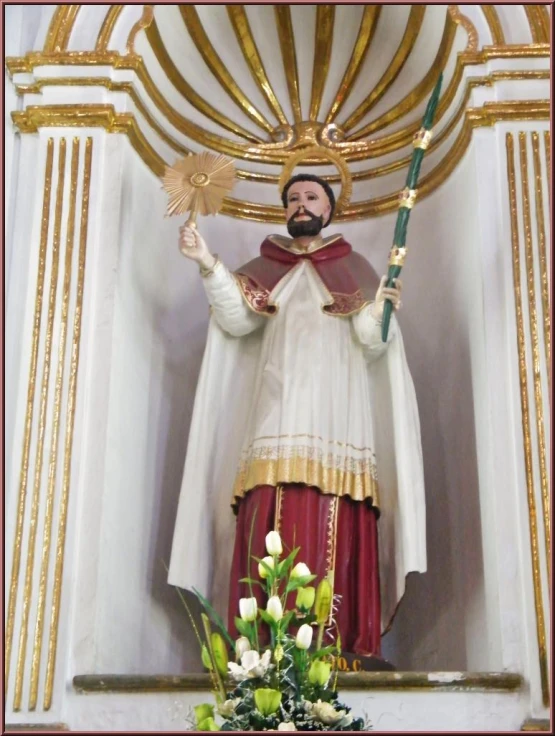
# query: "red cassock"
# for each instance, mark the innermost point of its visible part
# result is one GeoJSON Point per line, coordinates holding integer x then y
{"type": "Point", "coordinates": [338, 536]}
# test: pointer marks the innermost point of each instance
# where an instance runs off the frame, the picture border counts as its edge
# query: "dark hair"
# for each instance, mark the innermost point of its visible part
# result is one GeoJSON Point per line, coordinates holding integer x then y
{"type": "Point", "coordinates": [311, 177]}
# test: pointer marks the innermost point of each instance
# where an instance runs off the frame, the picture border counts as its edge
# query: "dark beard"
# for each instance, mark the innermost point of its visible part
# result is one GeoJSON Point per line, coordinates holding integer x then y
{"type": "Point", "coordinates": [298, 228]}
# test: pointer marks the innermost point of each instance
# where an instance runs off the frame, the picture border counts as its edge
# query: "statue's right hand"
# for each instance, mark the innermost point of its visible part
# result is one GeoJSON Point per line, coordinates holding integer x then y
{"type": "Point", "coordinates": [193, 246]}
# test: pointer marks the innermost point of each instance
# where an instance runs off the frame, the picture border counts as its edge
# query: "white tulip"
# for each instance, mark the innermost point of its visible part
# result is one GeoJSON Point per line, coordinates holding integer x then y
{"type": "Point", "coordinates": [303, 639]}
{"type": "Point", "coordinates": [287, 726]}
{"type": "Point", "coordinates": [248, 608]}
{"type": "Point", "coordinates": [274, 608]}
{"type": "Point", "coordinates": [273, 543]}
{"type": "Point", "coordinates": [242, 645]}
{"type": "Point", "coordinates": [300, 570]}
{"type": "Point", "coordinates": [262, 570]}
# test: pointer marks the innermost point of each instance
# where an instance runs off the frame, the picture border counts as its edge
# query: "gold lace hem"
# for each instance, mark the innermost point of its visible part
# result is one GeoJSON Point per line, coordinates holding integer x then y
{"type": "Point", "coordinates": [332, 481]}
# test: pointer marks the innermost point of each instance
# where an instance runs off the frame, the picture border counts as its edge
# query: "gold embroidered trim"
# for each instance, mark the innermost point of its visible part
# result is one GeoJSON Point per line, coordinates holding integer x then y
{"type": "Point", "coordinates": [277, 517]}
{"type": "Point", "coordinates": [331, 546]}
{"type": "Point", "coordinates": [309, 436]}
{"type": "Point", "coordinates": [255, 296]}
{"type": "Point", "coordinates": [344, 304]}
{"type": "Point", "coordinates": [299, 468]}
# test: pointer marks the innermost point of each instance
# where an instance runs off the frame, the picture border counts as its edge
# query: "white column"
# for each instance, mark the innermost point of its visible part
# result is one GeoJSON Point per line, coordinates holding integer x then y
{"type": "Point", "coordinates": [57, 235]}
{"type": "Point", "coordinates": [512, 415]}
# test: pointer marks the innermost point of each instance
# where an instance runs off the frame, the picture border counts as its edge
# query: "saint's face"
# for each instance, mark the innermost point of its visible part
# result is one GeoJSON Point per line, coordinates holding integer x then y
{"type": "Point", "coordinates": [307, 202]}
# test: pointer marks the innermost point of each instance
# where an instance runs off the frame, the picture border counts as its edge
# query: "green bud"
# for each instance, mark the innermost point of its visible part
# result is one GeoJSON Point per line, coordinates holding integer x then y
{"type": "Point", "coordinates": [267, 700]}
{"type": "Point", "coordinates": [205, 656]}
{"type": "Point", "coordinates": [322, 606]}
{"type": "Point", "coordinates": [203, 711]}
{"type": "Point", "coordinates": [305, 598]}
{"type": "Point", "coordinates": [319, 673]}
{"type": "Point", "coordinates": [219, 650]}
{"type": "Point", "coordinates": [209, 724]}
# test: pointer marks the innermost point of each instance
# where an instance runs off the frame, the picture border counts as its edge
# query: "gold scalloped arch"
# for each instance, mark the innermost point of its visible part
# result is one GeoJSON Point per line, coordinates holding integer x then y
{"type": "Point", "coordinates": [370, 130]}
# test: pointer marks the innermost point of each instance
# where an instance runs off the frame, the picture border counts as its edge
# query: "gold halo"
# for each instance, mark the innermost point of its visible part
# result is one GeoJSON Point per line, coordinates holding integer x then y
{"type": "Point", "coordinates": [335, 158]}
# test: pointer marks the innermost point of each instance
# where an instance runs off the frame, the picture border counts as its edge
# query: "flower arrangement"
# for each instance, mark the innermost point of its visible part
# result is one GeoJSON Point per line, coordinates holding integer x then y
{"type": "Point", "coordinates": [288, 684]}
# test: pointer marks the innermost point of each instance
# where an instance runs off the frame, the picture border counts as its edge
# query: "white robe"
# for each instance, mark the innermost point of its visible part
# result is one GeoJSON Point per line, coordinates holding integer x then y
{"type": "Point", "coordinates": [302, 396]}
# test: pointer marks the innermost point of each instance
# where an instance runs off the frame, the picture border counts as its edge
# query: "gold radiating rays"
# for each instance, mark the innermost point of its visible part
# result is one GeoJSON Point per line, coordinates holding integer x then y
{"type": "Point", "coordinates": [198, 184]}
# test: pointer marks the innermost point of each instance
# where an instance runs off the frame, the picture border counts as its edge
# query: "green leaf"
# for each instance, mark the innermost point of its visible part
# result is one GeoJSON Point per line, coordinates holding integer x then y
{"type": "Point", "coordinates": [215, 618]}
{"type": "Point", "coordinates": [286, 620]}
{"type": "Point", "coordinates": [284, 566]}
{"type": "Point", "coordinates": [271, 572]}
{"type": "Point", "coordinates": [250, 581]}
{"type": "Point", "coordinates": [323, 652]}
{"type": "Point", "coordinates": [265, 616]}
{"type": "Point", "coordinates": [243, 627]}
{"type": "Point", "coordinates": [299, 583]}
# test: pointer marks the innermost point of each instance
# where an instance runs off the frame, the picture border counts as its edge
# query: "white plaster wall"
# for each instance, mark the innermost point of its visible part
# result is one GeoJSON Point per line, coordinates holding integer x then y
{"type": "Point", "coordinates": [396, 711]}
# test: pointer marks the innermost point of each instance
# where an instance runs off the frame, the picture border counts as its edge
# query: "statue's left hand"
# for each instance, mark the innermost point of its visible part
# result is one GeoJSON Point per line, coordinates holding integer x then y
{"type": "Point", "coordinates": [384, 292]}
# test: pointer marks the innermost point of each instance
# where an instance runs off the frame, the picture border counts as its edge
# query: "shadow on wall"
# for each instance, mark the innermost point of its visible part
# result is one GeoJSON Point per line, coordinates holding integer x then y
{"type": "Point", "coordinates": [445, 606]}
{"type": "Point", "coordinates": [178, 370]}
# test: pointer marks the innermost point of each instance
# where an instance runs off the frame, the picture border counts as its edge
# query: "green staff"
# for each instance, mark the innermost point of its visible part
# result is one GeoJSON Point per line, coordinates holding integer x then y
{"type": "Point", "coordinates": [407, 200]}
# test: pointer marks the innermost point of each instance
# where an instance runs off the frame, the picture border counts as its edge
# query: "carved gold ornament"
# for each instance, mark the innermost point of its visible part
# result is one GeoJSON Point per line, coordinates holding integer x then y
{"type": "Point", "coordinates": [198, 184]}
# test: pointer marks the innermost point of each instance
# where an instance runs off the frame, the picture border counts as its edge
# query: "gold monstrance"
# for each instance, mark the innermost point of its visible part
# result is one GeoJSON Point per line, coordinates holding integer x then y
{"type": "Point", "coordinates": [198, 184]}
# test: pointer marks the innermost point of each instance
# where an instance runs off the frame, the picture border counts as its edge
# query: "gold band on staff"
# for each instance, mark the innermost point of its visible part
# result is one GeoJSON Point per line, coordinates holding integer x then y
{"type": "Point", "coordinates": [397, 255]}
{"type": "Point", "coordinates": [407, 198]}
{"type": "Point", "coordinates": [422, 138]}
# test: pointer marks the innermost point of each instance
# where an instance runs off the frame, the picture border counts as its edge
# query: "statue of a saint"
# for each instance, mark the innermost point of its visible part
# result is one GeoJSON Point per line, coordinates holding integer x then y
{"type": "Point", "coordinates": [304, 417]}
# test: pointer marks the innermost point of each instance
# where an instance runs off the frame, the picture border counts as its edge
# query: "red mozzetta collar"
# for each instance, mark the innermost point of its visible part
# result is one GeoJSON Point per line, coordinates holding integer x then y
{"type": "Point", "coordinates": [338, 248]}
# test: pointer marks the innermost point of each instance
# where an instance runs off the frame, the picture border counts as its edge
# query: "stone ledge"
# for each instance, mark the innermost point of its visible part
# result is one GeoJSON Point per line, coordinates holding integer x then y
{"type": "Point", "coordinates": [536, 724]}
{"type": "Point", "coordinates": [444, 681]}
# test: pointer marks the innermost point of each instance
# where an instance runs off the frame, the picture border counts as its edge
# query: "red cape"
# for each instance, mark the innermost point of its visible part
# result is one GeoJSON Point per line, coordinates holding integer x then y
{"type": "Point", "coordinates": [349, 278]}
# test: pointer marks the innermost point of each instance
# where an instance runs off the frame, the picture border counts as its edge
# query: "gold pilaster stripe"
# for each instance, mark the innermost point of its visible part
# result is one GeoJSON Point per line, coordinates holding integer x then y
{"type": "Point", "coordinates": [289, 56]}
{"type": "Point", "coordinates": [144, 22]}
{"type": "Point", "coordinates": [60, 28]}
{"type": "Point", "coordinates": [494, 24]}
{"type": "Point", "coordinates": [325, 17]}
{"type": "Point", "coordinates": [241, 26]}
{"type": "Point", "coordinates": [538, 19]}
{"type": "Point", "coordinates": [365, 36]}
{"type": "Point", "coordinates": [16, 561]}
{"type": "Point", "coordinates": [107, 27]}
{"type": "Point", "coordinates": [414, 23]}
{"type": "Point", "coordinates": [68, 445]}
{"type": "Point", "coordinates": [532, 314]}
{"type": "Point", "coordinates": [52, 468]}
{"type": "Point", "coordinates": [218, 68]}
{"type": "Point", "coordinates": [419, 92]}
{"type": "Point", "coordinates": [540, 226]}
{"type": "Point", "coordinates": [35, 501]}
{"type": "Point", "coordinates": [184, 88]}
{"type": "Point", "coordinates": [521, 343]}
{"type": "Point", "coordinates": [547, 142]}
